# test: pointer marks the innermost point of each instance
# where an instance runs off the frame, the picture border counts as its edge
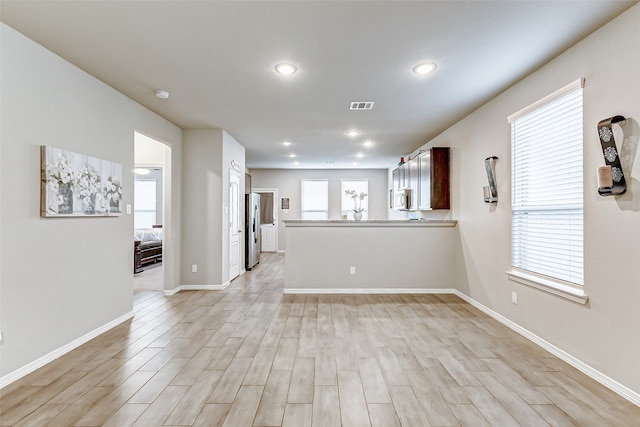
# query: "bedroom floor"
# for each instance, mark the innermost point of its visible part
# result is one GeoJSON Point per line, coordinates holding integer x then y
{"type": "Point", "coordinates": [251, 356]}
{"type": "Point", "coordinates": [151, 279]}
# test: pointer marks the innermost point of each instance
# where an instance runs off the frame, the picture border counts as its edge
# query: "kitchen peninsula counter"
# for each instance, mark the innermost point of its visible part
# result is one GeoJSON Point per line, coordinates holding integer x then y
{"type": "Point", "coordinates": [368, 223]}
{"type": "Point", "coordinates": [372, 256]}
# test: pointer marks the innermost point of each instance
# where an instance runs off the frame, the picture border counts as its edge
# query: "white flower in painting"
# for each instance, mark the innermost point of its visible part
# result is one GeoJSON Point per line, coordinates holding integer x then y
{"type": "Point", "coordinates": [61, 171]}
{"type": "Point", "coordinates": [87, 182]}
{"type": "Point", "coordinates": [605, 134]}
{"type": "Point", "coordinates": [610, 154]}
{"type": "Point", "coordinates": [113, 190]}
{"type": "Point", "coordinates": [616, 173]}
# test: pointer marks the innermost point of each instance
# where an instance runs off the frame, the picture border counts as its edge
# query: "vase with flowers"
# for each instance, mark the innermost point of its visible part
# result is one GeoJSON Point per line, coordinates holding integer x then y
{"type": "Point", "coordinates": [113, 194]}
{"type": "Point", "coordinates": [60, 178]}
{"type": "Point", "coordinates": [357, 203]}
{"type": "Point", "coordinates": [88, 185]}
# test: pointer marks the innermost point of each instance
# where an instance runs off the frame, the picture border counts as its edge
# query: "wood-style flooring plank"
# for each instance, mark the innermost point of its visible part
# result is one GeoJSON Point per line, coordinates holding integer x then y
{"type": "Point", "coordinates": [162, 406]}
{"type": "Point", "coordinates": [274, 399]}
{"type": "Point", "coordinates": [326, 404]}
{"type": "Point", "coordinates": [302, 381]}
{"type": "Point", "coordinates": [243, 410]}
{"type": "Point", "coordinates": [212, 414]}
{"type": "Point", "coordinates": [297, 415]}
{"type": "Point", "coordinates": [383, 415]}
{"type": "Point", "coordinates": [353, 407]}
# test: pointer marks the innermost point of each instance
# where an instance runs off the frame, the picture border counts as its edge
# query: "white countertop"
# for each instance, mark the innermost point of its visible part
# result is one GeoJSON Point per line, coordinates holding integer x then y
{"type": "Point", "coordinates": [367, 223]}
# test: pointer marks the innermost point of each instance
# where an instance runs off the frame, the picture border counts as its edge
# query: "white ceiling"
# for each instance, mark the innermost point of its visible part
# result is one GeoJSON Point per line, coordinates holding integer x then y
{"type": "Point", "coordinates": [217, 60]}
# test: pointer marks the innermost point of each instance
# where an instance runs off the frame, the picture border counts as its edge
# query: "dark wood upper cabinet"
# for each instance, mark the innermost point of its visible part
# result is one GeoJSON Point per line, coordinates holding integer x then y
{"type": "Point", "coordinates": [433, 185]}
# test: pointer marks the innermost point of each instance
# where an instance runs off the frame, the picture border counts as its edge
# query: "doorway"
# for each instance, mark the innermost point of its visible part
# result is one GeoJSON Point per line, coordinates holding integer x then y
{"type": "Point", "coordinates": [151, 189]}
{"type": "Point", "coordinates": [268, 218]}
{"type": "Point", "coordinates": [235, 223]}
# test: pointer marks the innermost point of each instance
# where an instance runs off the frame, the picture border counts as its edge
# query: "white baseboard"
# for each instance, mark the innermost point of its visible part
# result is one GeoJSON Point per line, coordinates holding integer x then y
{"type": "Point", "coordinates": [586, 369]}
{"type": "Point", "coordinates": [174, 291]}
{"type": "Point", "coordinates": [50, 357]}
{"type": "Point", "coordinates": [367, 291]}
{"type": "Point", "coordinates": [280, 251]}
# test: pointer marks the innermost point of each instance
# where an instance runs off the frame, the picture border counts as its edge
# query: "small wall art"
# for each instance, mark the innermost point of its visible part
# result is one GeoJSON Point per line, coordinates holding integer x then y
{"type": "Point", "coordinates": [77, 185]}
{"type": "Point", "coordinates": [490, 191]}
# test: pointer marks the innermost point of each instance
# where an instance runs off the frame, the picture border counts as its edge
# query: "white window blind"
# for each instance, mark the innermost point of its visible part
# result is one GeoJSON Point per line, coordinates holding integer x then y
{"type": "Point", "coordinates": [144, 215]}
{"type": "Point", "coordinates": [314, 199]}
{"type": "Point", "coordinates": [547, 187]}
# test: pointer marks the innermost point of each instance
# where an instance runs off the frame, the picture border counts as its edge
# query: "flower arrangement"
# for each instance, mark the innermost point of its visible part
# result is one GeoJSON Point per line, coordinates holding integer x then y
{"type": "Point", "coordinates": [61, 172]}
{"type": "Point", "coordinates": [60, 178]}
{"type": "Point", "coordinates": [113, 190]}
{"type": "Point", "coordinates": [88, 184]}
{"type": "Point", "coordinates": [357, 199]}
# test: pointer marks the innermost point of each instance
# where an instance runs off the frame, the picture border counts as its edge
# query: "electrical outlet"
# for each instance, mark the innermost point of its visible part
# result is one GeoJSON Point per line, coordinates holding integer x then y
{"type": "Point", "coordinates": [128, 209]}
{"type": "Point", "coordinates": [0, 336]}
{"type": "Point", "coordinates": [352, 269]}
{"type": "Point", "coordinates": [194, 268]}
{"type": "Point", "coordinates": [514, 297]}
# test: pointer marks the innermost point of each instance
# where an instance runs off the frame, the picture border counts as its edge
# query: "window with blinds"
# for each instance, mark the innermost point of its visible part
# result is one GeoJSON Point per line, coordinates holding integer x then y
{"type": "Point", "coordinates": [314, 199]}
{"type": "Point", "coordinates": [547, 186]}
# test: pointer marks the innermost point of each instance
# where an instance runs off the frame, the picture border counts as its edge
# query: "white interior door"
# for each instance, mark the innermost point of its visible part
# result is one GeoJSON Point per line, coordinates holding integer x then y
{"type": "Point", "coordinates": [234, 224]}
{"type": "Point", "coordinates": [268, 235]}
{"type": "Point", "coordinates": [269, 231]}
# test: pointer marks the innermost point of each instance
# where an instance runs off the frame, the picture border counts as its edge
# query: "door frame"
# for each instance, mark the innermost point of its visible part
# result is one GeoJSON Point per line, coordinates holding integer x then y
{"type": "Point", "coordinates": [276, 224]}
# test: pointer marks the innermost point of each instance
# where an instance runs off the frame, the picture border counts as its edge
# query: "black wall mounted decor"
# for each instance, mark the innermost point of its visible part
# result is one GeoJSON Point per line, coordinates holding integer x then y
{"type": "Point", "coordinates": [611, 180]}
{"type": "Point", "coordinates": [491, 192]}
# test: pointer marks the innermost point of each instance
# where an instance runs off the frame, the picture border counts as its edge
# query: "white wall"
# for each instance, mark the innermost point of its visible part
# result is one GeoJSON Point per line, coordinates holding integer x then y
{"type": "Point", "coordinates": [604, 334]}
{"type": "Point", "coordinates": [287, 181]}
{"type": "Point", "coordinates": [207, 156]}
{"type": "Point", "coordinates": [61, 278]}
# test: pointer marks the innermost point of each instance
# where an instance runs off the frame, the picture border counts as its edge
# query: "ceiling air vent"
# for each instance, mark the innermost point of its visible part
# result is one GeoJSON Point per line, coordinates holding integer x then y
{"type": "Point", "coordinates": [361, 105]}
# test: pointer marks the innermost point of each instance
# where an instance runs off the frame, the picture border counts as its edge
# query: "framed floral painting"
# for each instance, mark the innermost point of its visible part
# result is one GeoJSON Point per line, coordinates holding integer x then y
{"type": "Point", "coordinates": [78, 185]}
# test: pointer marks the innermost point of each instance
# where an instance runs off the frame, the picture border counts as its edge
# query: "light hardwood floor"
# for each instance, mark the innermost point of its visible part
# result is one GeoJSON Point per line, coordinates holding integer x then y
{"type": "Point", "coordinates": [251, 356]}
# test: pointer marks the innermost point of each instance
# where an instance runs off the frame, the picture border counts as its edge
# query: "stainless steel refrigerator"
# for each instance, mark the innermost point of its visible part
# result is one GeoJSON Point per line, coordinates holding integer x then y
{"type": "Point", "coordinates": [252, 235]}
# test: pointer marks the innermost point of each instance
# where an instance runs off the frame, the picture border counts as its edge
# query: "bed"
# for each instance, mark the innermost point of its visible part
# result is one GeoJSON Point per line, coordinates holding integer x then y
{"type": "Point", "coordinates": [147, 247]}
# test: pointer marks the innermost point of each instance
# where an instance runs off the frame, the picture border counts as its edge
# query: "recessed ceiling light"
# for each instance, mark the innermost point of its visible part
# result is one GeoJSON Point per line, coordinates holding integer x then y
{"type": "Point", "coordinates": [286, 143]}
{"type": "Point", "coordinates": [296, 163]}
{"type": "Point", "coordinates": [368, 143]}
{"type": "Point", "coordinates": [286, 68]}
{"type": "Point", "coordinates": [163, 94]}
{"type": "Point", "coordinates": [424, 68]}
{"type": "Point", "coordinates": [292, 155]}
{"type": "Point", "coordinates": [353, 133]}
{"type": "Point", "coordinates": [359, 155]}
{"type": "Point", "coordinates": [141, 171]}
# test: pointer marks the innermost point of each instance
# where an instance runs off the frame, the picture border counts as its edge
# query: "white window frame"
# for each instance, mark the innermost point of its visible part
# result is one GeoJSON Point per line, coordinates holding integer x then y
{"type": "Point", "coordinates": [318, 214]}
{"type": "Point", "coordinates": [528, 266]}
{"type": "Point", "coordinates": [346, 202]}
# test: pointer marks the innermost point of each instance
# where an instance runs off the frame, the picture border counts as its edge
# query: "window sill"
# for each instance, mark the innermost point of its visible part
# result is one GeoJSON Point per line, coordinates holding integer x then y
{"type": "Point", "coordinates": [552, 286]}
